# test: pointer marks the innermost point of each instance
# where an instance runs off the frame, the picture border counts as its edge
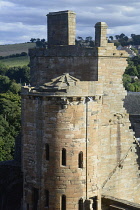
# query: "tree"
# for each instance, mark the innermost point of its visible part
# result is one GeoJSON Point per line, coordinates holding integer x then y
{"type": "Point", "coordinates": [117, 36]}
{"type": "Point", "coordinates": [88, 39]}
{"type": "Point", "coordinates": [41, 43]}
{"type": "Point", "coordinates": [125, 38]}
{"type": "Point", "coordinates": [136, 40]}
{"type": "Point", "coordinates": [3, 69]}
{"type": "Point", "coordinates": [14, 87]}
{"type": "Point", "coordinates": [4, 83]}
{"type": "Point", "coordinates": [126, 81]}
{"type": "Point", "coordinates": [32, 40]}
{"type": "Point", "coordinates": [131, 70]}
{"type": "Point", "coordinates": [132, 35]}
{"type": "Point", "coordinates": [7, 141]}
{"type": "Point", "coordinates": [80, 38]}
{"type": "Point", "coordinates": [111, 37]}
{"type": "Point", "coordinates": [19, 74]}
{"type": "Point", "coordinates": [10, 112]}
{"type": "Point", "coordinates": [121, 36]}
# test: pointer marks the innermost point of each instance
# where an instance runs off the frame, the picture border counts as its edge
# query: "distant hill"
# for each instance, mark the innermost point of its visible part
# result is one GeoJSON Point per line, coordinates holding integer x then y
{"type": "Point", "coordinates": [16, 61]}
{"type": "Point", "coordinates": [10, 49]}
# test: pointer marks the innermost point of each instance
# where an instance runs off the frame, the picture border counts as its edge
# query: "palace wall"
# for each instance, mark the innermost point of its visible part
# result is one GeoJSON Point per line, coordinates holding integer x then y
{"type": "Point", "coordinates": [74, 112]}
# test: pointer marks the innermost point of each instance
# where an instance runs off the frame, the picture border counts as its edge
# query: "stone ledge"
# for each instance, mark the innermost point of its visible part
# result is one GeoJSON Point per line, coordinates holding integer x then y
{"type": "Point", "coordinates": [110, 200]}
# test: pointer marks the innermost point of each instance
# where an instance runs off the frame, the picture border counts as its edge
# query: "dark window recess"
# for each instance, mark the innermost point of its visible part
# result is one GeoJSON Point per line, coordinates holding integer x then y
{"type": "Point", "coordinates": [35, 198]}
{"type": "Point", "coordinates": [47, 198]}
{"type": "Point", "coordinates": [80, 160]}
{"type": "Point", "coordinates": [63, 202]}
{"type": "Point", "coordinates": [27, 206]}
{"type": "Point", "coordinates": [80, 204]}
{"type": "Point", "coordinates": [64, 157]}
{"type": "Point", "coordinates": [47, 150]}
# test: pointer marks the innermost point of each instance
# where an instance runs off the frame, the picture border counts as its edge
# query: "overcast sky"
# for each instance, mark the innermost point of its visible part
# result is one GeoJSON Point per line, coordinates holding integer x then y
{"type": "Point", "coordinates": [21, 20]}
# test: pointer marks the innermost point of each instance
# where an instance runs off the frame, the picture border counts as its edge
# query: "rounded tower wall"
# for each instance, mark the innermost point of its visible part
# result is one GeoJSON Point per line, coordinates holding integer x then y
{"type": "Point", "coordinates": [60, 123]}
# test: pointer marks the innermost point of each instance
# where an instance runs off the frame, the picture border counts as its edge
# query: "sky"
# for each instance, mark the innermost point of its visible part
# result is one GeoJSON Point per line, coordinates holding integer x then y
{"type": "Point", "coordinates": [21, 20]}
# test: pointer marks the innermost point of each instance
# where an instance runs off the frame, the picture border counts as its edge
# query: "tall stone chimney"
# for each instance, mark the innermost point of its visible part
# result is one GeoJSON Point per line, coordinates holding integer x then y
{"type": "Point", "coordinates": [100, 34]}
{"type": "Point", "coordinates": [61, 28]}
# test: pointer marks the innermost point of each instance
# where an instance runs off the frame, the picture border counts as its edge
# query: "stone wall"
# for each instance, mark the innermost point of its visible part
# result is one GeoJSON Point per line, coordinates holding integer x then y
{"type": "Point", "coordinates": [47, 64]}
{"type": "Point", "coordinates": [75, 104]}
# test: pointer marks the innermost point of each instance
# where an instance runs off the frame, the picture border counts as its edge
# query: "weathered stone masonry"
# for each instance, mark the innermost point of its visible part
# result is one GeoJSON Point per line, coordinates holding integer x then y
{"type": "Point", "coordinates": [77, 144]}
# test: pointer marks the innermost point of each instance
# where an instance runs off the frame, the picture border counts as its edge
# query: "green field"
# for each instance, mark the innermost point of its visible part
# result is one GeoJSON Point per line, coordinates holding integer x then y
{"type": "Point", "coordinates": [16, 61]}
{"type": "Point", "coordinates": [10, 49]}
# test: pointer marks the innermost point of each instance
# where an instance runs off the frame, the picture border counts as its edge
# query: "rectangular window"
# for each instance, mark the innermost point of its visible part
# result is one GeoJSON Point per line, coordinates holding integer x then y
{"type": "Point", "coordinates": [63, 202]}
{"type": "Point", "coordinates": [47, 150]}
{"type": "Point", "coordinates": [64, 157]}
{"type": "Point", "coordinates": [47, 198]}
{"type": "Point", "coordinates": [80, 160]}
{"type": "Point", "coordinates": [35, 198]}
{"type": "Point", "coordinates": [27, 206]}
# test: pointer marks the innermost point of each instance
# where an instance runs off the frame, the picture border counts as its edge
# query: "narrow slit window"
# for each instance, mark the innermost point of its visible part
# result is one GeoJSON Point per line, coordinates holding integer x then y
{"type": "Point", "coordinates": [27, 206]}
{"type": "Point", "coordinates": [47, 150]}
{"type": "Point", "coordinates": [64, 157]}
{"type": "Point", "coordinates": [80, 160]}
{"type": "Point", "coordinates": [63, 202]}
{"type": "Point", "coordinates": [47, 198]}
{"type": "Point", "coordinates": [80, 204]}
{"type": "Point", "coordinates": [35, 198]}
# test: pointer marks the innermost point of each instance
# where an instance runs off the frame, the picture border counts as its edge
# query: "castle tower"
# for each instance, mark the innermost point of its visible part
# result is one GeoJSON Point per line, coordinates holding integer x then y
{"type": "Point", "coordinates": [76, 140]}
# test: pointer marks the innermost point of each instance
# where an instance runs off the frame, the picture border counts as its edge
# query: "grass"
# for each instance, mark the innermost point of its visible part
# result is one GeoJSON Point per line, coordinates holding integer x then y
{"type": "Point", "coordinates": [10, 49]}
{"type": "Point", "coordinates": [16, 61]}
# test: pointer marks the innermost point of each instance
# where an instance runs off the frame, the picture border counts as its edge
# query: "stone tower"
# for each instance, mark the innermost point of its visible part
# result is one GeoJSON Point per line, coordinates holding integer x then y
{"type": "Point", "coordinates": [77, 145]}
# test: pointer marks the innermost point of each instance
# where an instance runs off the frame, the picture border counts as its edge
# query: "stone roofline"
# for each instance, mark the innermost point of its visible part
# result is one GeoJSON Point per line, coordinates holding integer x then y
{"type": "Point", "coordinates": [121, 202]}
{"type": "Point", "coordinates": [61, 39]}
{"type": "Point", "coordinates": [80, 51]}
{"type": "Point", "coordinates": [61, 12]}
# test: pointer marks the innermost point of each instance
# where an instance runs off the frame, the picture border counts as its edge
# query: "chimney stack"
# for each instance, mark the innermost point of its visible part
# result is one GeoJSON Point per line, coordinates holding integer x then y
{"type": "Point", "coordinates": [61, 28]}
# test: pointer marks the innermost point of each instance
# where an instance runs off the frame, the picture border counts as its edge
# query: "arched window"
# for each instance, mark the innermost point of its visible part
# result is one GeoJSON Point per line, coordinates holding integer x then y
{"type": "Point", "coordinates": [80, 160]}
{"type": "Point", "coordinates": [80, 204]}
{"type": "Point", "coordinates": [64, 157]}
{"type": "Point", "coordinates": [47, 198]}
{"type": "Point", "coordinates": [63, 202]}
{"type": "Point", "coordinates": [47, 151]}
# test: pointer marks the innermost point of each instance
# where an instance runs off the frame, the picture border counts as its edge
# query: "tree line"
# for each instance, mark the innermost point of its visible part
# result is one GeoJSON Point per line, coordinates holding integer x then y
{"type": "Point", "coordinates": [14, 55]}
{"type": "Point", "coordinates": [11, 80]}
{"type": "Point", "coordinates": [131, 77]}
{"type": "Point", "coordinates": [124, 40]}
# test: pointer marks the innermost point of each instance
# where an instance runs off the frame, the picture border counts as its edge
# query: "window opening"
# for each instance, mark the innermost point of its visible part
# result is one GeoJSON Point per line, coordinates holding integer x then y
{"type": "Point", "coordinates": [47, 198]}
{"type": "Point", "coordinates": [80, 160]}
{"type": "Point", "coordinates": [63, 202]}
{"type": "Point", "coordinates": [27, 206]}
{"type": "Point", "coordinates": [35, 198]}
{"type": "Point", "coordinates": [80, 204]}
{"type": "Point", "coordinates": [47, 150]}
{"type": "Point", "coordinates": [64, 157]}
